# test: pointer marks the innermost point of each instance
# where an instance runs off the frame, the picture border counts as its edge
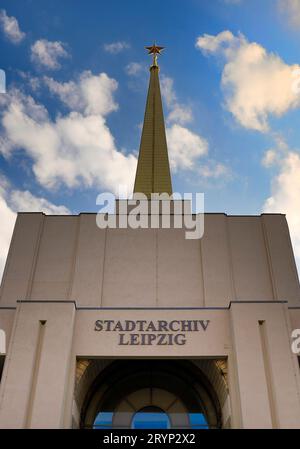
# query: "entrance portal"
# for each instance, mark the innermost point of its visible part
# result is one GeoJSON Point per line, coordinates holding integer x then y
{"type": "Point", "coordinates": [150, 393]}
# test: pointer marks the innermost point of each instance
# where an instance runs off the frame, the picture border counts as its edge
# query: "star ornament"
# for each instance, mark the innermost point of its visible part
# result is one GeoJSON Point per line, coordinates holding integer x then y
{"type": "Point", "coordinates": [154, 49]}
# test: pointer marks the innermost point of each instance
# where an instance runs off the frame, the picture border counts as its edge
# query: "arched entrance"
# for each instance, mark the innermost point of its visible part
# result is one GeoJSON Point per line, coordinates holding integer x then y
{"type": "Point", "coordinates": [149, 393]}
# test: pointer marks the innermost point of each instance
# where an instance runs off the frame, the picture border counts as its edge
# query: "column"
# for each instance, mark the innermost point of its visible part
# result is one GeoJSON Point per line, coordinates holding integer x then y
{"type": "Point", "coordinates": [35, 377]}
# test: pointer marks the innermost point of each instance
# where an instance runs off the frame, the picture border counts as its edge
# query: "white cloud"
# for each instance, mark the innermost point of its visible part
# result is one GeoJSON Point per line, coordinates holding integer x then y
{"type": "Point", "coordinates": [24, 201]}
{"type": "Point", "coordinates": [47, 54]}
{"type": "Point", "coordinates": [33, 82]}
{"type": "Point", "coordinates": [134, 68]}
{"type": "Point", "coordinates": [116, 47]}
{"type": "Point", "coordinates": [167, 90]}
{"type": "Point", "coordinates": [10, 27]}
{"type": "Point", "coordinates": [256, 84]}
{"type": "Point", "coordinates": [185, 150]}
{"type": "Point", "coordinates": [285, 195]}
{"type": "Point", "coordinates": [213, 169]}
{"type": "Point", "coordinates": [290, 8]}
{"type": "Point", "coordinates": [185, 147]}
{"type": "Point", "coordinates": [90, 94]}
{"type": "Point", "coordinates": [209, 43]}
{"type": "Point", "coordinates": [270, 158]}
{"type": "Point", "coordinates": [274, 155]}
{"type": "Point", "coordinates": [178, 113]}
{"type": "Point", "coordinates": [75, 149]}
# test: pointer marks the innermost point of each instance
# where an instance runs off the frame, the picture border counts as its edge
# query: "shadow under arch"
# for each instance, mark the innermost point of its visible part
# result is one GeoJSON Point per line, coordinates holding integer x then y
{"type": "Point", "coordinates": [122, 387]}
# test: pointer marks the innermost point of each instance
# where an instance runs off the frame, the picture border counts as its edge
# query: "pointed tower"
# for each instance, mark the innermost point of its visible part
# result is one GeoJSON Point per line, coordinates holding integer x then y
{"type": "Point", "coordinates": [153, 169]}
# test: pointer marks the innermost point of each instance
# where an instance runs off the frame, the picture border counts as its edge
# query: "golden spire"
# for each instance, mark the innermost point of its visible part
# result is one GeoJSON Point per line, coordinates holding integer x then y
{"type": "Point", "coordinates": [153, 170]}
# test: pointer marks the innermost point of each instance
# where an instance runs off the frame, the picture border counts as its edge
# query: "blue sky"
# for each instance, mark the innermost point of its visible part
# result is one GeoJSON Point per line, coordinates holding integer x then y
{"type": "Point", "coordinates": [227, 76]}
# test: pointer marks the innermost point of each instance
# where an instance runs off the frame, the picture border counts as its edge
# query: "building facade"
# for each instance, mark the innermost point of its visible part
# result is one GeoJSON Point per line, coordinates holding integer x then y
{"type": "Point", "coordinates": [105, 326]}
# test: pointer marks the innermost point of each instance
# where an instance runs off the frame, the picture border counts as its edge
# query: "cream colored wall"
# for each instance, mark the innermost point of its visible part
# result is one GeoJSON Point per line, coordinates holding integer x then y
{"type": "Point", "coordinates": [36, 371]}
{"type": "Point", "coordinates": [52, 276]}
{"type": "Point", "coordinates": [37, 386]}
{"type": "Point", "coordinates": [70, 258]}
{"type": "Point", "coordinates": [266, 369]}
{"type": "Point", "coordinates": [249, 257]}
{"type": "Point", "coordinates": [56, 259]}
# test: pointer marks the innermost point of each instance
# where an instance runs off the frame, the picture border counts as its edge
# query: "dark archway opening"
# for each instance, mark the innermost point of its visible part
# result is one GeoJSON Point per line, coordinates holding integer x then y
{"type": "Point", "coordinates": [151, 393]}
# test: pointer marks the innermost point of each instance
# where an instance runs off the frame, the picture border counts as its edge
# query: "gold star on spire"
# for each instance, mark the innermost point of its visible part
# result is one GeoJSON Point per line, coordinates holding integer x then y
{"type": "Point", "coordinates": [154, 50]}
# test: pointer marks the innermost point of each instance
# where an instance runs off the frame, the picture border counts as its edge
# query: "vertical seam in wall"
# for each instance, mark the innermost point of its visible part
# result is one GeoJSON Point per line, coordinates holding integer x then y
{"type": "Point", "coordinates": [74, 258]}
{"type": "Point", "coordinates": [35, 372]}
{"type": "Point", "coordinates": [202, 272]}
{"type": "Point", "coordinates": [68, 375]}
{"type": "Point", "coordinates": [231, 271]}
{"type": "Point", "coordinates": [103, 266]}
{"type": "Point", "coordinates": [269, 259]}
{"type": "Point", "coordinates": [268, 373]}
{"type": "Point", "coordinates": [233, 380]}
{"type": "Point", "coordinates": [69, 397]}
{"type": "Point", "coordinates": [35, 258]}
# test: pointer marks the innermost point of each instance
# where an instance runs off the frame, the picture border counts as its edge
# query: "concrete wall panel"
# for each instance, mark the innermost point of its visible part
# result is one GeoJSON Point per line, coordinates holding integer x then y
{"type": "Point", "coordinates": [87, 279]}
{"type": "Point", "coordinates": [179, 270]}
{"type": "Point", "coordinates": [54, 266]}
{"type": "Point", "coordinates": [129, 268]}
{"type": "Point", "coordinates": [251, 272]}
{"type": "Point", "coordinates": [284, 272]}
{"type": "Point", "coordinates": [20, 262]}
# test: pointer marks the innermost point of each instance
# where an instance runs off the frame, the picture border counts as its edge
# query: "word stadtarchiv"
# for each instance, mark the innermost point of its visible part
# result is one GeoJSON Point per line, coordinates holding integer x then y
{"type": "Point", "coordinates": [147, 333]}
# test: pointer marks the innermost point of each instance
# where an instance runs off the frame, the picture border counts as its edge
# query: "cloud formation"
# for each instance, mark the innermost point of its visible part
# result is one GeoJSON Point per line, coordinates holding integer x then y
{"type": "Point", "coordinates": [116, 47]}
{"type": "Point", "coordinates": [257, 84]}
{"type": "Point", "coordinates": [47, 54]}
{"type": "Point", "coordinates": [10, 27]}
{"type": "Point", "coordinates": [185, 147]}
{"type": "Point", "coordinates": [25, 201]}
{"type": "Point", "coordinates": [178, 112]}
{"type": "Point", "coordinates": [74, 149]}
{"type": "Point", "coordinates": [285, 191]}
{"type": "Point", "coordinates": [89, 95]}
{"type": "Point", "coordinates": [134, 68]}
